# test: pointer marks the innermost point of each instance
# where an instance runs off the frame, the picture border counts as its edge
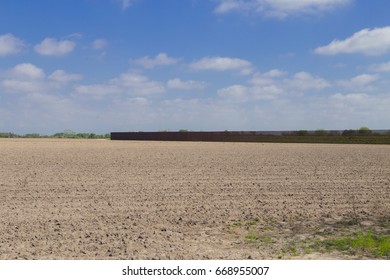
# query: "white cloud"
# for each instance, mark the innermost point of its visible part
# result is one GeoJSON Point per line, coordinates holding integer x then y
{"type": "Point", "coordinates": [267, 85]}
{"type": "Point", "coordinates": [274, 81]}
{"type": "Point", "coordinates": [53, 47]}
{"type": "Point", "coordinates": [63, 77]}
{"type": "Point", "coordinates": [273, 85]}
{"type": "Point", "coordinates": [142, 101]}
{"type": "Point", "coordinates": [364, 79]}
{"type": "Point", "coordinates": [186, 85]}
{"type": "Point", "coordinates": [367, 41]}
{"type": "Point", "coordinates": [97, 91]}
{"type": "Point", "coordinates": [27, 71]}
{"type": "Point", "coordinates": [262, 86]}
{"type": "Point", "coordinates": [234, 93]}
{"type": "Point", "coordinates": [28, 78]}
{"type": "Point", "coordinates": [352, 97]}
{"type": "Point", "coordinates": [24, 77]}
{"type": "Point", "coordinates": [268, 78]}
{"type": "Point", "coordinates": [351, 101]}
{"type": "Point", "coordinates": [275, 73]}
{"type": "Point", "coordinates": [136, 84]}
{"type": "Point", "coordinates": [9, 44]}
{"type": "Point", "coordinates": [279, 8]}
{"type": "Point", "coordinates": [162, 59]}
{"type": "Point", "coordinates": [127, 84]}
{"type": "Point", "coordinates": [14, 85]}
{"type": "Point", "coordinates": [374, 107]}
{"type": "Point", "coordinates": [99, 44]}
{"type": "Point", "coordinates": [50, 113]}
{"type": "Point", "coordinates": [240, 93]}
{"type": "Point", "coordinates": [266, 92]}
{"type": "Point", "coordinates": [359, 81]}
{"type": "Point", "coordinates": [218, 63]}
{"type": "Point", "coordinates": [383, 67]}
{"type": "Point", "coordinates": [305, 81]}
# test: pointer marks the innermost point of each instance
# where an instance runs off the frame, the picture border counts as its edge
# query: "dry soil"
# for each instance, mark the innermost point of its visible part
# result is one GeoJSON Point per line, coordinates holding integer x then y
{"type": "Point", "coordinates": [102, 199]}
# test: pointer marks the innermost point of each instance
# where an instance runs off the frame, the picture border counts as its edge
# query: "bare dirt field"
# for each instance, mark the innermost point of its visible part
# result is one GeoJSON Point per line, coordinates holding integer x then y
{"type": "Point", "coordinates": [102, 199]}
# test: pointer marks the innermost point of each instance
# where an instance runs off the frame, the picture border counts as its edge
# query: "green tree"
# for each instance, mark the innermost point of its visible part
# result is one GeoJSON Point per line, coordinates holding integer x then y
{"type": "Point", "coordinates": [364, 130]}
{"type": "Point", "coordinates": [32, 135]}
{"type": "Point", "coordinates": [82, 135]}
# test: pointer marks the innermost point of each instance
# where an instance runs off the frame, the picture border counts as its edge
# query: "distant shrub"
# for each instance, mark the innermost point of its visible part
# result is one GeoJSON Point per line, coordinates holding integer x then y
{"type": "Point", "coordinates": [320, 132]}
{"type": "Point", "coordinates": [302, 132]}
{"type": "Point", "coordinates": [334, 132]}
{"type": "Point", "coordinates": [32, 135]}
{"type": "Point", "coordinates": [9, 135]}
{"type": "Point", "coordinates": [82, 135]}
{"type": "Point", "coordinates": [349, 132]}
{"type": "Point", "coordinates": [364, 130]}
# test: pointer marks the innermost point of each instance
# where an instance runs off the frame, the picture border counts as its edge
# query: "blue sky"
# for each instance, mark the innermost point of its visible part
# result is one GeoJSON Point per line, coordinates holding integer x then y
{"type": "Point", "coordinates": [143, 65]}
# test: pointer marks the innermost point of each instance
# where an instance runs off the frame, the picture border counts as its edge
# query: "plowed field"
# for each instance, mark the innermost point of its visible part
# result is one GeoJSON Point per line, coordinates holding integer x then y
{"type": "Point", "coordinates": [102, 199]}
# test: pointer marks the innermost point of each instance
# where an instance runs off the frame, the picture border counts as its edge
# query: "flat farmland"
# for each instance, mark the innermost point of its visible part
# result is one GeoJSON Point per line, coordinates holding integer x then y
{"type": "Point", "coordinates": [102, 199]}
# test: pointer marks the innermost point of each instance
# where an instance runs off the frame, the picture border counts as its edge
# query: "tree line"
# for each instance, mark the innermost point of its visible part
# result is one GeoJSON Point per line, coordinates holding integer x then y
{"type": "Point", "coordinates": [64, 134]}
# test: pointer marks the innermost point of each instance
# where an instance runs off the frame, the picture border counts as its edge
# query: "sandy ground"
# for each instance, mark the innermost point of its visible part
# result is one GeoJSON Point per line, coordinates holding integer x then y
{"type": "Point", "coordinates": [101, 199]}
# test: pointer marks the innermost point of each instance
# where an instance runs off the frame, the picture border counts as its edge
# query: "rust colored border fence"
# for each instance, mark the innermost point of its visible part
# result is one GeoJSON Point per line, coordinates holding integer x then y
{"type": "Point", "coordinates": [228, 136]}
{"type": "Point", "coordinates": [303, 136]}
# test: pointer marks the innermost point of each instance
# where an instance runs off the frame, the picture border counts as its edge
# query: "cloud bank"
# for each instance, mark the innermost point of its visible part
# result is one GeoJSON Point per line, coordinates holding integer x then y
{"type": "Point", "coordinates": [279, 8]}
{"type": "Point", "coordinates": [367, 41]}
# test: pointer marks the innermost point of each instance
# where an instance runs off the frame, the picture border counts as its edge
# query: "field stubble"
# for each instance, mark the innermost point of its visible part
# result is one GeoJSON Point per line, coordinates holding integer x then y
{"type": "Point", "coordinates": [100, 199]}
